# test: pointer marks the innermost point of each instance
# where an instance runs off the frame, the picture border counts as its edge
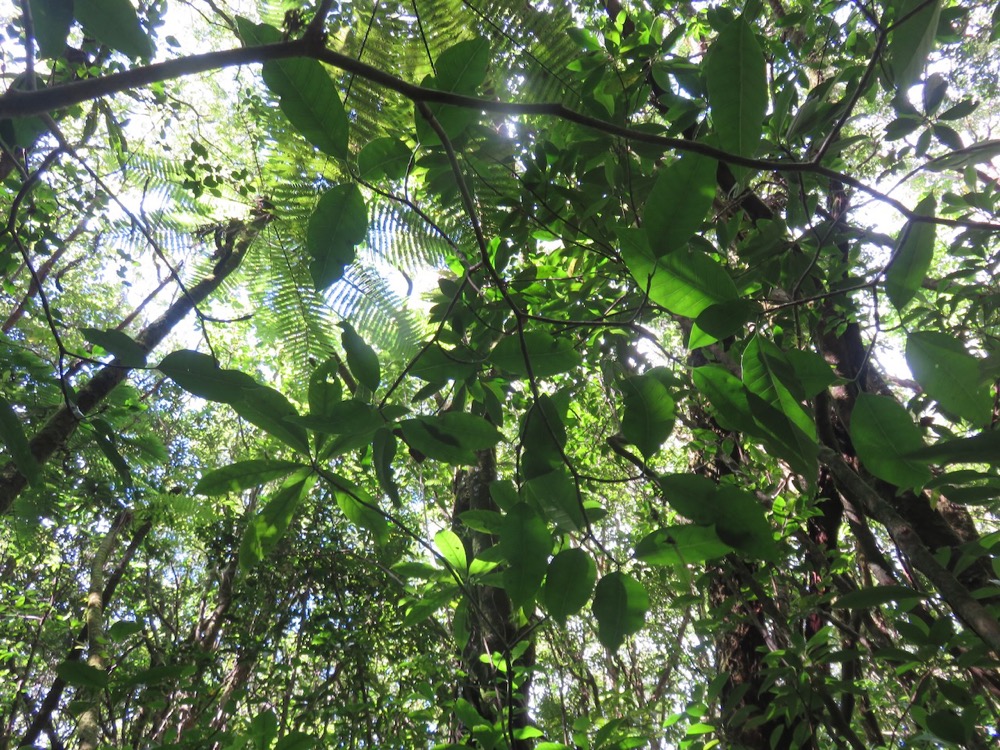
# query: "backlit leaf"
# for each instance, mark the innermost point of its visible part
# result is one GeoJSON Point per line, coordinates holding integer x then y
{"type": "Point", "coordinates": [12, 435]}
{"type": "Point", "coordinates": [361, 358]}
{"type": "Point", "coordinates": [569, 582]}
{"type": "Point", "coordinates": [52, 19]}
{"type": "Point", "coordinates": [525, 544]}
{"type": "Point", "coordinates": [884, 435]}
{"type": "Point", "coordinates": [681, 198]}
{"type": "Point", "coordinates": [337, 225]}
{"type": "Point", "coordinates": [949, 374]}
{"type": "Point", "coordinates": [244, 474]}
{"type": "Point", "coordinates": [649, 412]}
{"type": "Point", "coordinates": [912, 257]}
{"type": "Point", "coordinates": [736, 78]}
{"type": "Point", "coordinates": [620, 606]}
{"type": "Point", "coordinates": [270, 525]}
{"type": "Point", "coordinates": [911, 39]}
{"type": "Point", "coordinates": [114, 23]}
{"type": "Point", "coordinates": [310, 101]}
{"type": "Point", "coordinates": [540, 352]}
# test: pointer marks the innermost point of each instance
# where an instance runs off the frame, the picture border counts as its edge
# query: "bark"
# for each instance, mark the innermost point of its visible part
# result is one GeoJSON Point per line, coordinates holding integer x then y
{"type": "Point", "coordinates": [61, 425]}
{"type": "Point", "coordinates": [492, 624]}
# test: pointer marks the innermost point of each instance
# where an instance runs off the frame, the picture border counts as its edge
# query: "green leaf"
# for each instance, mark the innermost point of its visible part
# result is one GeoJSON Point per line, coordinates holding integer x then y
{"type": "Point", "coordinates": [525, 544]}
{"type": "Point", "coordinates": [244, 474]}
{"type": "Point", "coordinates": [949, 374]}
{"type": "Point", "coordinates": [685, 282]}
{"type": "Point", "coordinates": [949, 726]}
{"type": "Point", "coordinates": [336, 226]}
{"type": "Point", "coordinates": [546, 355]}
{"type": "Point", "coordinates": [325, 391]}
{"type": "Point", "coordinates": [569, 582]}
{"type": "Point", "coordinates": [877, 596]}
{"type": "Point", "coordinates": [384, 157]}
{"type": "Point", "coordinates": [884, 435]}
{"type": "Point", "coordinates": [439, 365]}
{"type": "Point", "coordinates": [620, 606]}
{"type": "Point", "coordinates": [114, 23]}
{"type": "Point", "coordinates": [736, 78]}
{"type": "Point", "coordinates": [452, 550]}
{"type": "Point", "coordinates": [912, 257]}
{"type": "Point", "coordinates": [811, 370]}
{"type": "Point", "coordinates": [82, 675]}
{"type": "Point", "coordinates": [981, 448]}
{"type": "Point", "coordinates": [255, 34]}
{"type": "Point", "coordinates": [649, 412]}
{"type": "Point", "coordinates": [681, 545]}
{"type": "Point", "coordinates": [453, 437]}
{"type": "Point", "coordinates": [107, 441]}
{"type": "Point", "coordinates": [351, 417]}
{"type": "Point", "coordinates": [263, 729]}
{"type": "Point", "coordinates": [681, 198]}
{"type": "Point", "coordinates": [273, 413]}
{"type": "Point", "coordinates": [128, 353]}
{"type": "Point", "coordinates": [200, 375]}
{"type": "Point", "coordinates": [383, 452]}
{"type": "Point", "coordinates": [310, 101]}
{"type": "Point", "coordinates": [51, 19]}
{"type": "Point", "coordinates": [12, 435]}
{"type": "Point", "coordinates": [361, 509]}
{"type": "Point", "coordinates": [361, 358]}
{"type": "Point", "coordinates": [270, 525]}
{"type": "Point", "coordinates": [543, 438]}
{"type": "Point", "coordinates": [726, 396]}
{"type": "Point", "coordinates": [911, 39]}
{"type": "Point", "coordinates": [296, 740]}
{"type": "Point", "coordinates": [460, 69]}
{"type": "Point", "coordinates": [782, 433]}
{"type": "Point", "coordinates": [736, 515]}
{"type": "Point", "coordinates": [769, 375]}
{"type": "Point", "coordinates": [555, 494]}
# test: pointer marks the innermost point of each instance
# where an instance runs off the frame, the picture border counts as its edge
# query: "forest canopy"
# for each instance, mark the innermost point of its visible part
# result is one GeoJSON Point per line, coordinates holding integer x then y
{"type": "Point", "coordinates": [500, 375]}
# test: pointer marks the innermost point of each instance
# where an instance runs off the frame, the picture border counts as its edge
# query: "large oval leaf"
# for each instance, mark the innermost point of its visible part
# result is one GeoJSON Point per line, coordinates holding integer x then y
{"type": "Point", "coordinates": [649, 412]}
{"type": "Point", "coordinates": [685, 282]}
{"type": "Point", "coordinates": [538, 353]}
{"type": "Point", "coordinates": [680, 199]}
{"type": "Point", "coordinates": [310, 101]}
{"type": "Point", "coordinates": [912, 257]}
{"type": "Point", "coordinates": [883, 434]}
{"type": "Point", "coordinates": [569, 582]}
{"type": "Point", "coordinates": [620, 606]}
{"type": "Point", "coordinates": [525, 544]}
{"type": "Point", "coordinates": [244, 474]}
{"type": "Point", "coordinates": [949, 374]}
{"type": "Point", "coordinates": [337, 225]}
{"type": "Point", "coordinates": [114, 23]}
{"type": "Point", "coordinates": [736, 79]}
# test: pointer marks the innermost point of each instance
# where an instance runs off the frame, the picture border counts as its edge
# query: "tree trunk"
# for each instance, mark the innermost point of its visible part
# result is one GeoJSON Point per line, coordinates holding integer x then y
{"type": "Point", "coordinates": [492, 625]}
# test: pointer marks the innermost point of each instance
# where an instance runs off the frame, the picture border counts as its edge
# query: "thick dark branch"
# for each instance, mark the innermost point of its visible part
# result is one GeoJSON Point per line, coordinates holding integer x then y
{"type": "Point", "coordinates": [23, 103]}
{"type": "Point", "coordinates": [906, 538]}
